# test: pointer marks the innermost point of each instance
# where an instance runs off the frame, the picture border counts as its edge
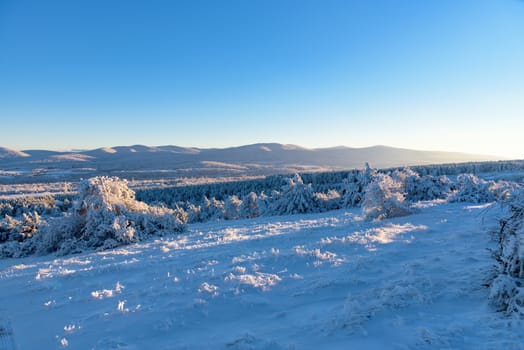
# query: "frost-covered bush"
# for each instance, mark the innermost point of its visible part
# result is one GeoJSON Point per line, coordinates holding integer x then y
{"type": "Point", "coordinates": [470, 188]}
{"type": "Point", "coordinates": [295, 198]}
{"type": "Point", "coordinates": [507, 287]}
{"type": "Point", "coordinates": [353, 186]}
{"type": "Point", "coordinates": [40, 204]}
{"type": "Point", "coordinates": [328, 201]}
{"type": "Point", "coordinates": [262, 204]}
{"type": "Point", "coordinates": [250, 207]}
{"type": "Point", "coordinates": [503, 190]}
{"type": "Point", "coordinates": [212, 209]}
{"type": "Point", "coordinates": [427, 187]}
{"type": "Point", "coordinates": [194, 213]}
{"type": "Point", "coordinates": [351, 191]}
{"type": "Point", "coordinates": [232, 206]}
{"type": "Point", "coordinates": [402, 175]}
{"type": "Point", "coordinates": [384, 198]}
{"type": "Point", "coordinates": [104, 215]}
{"type": "Point", "coordinates": [12, 229]}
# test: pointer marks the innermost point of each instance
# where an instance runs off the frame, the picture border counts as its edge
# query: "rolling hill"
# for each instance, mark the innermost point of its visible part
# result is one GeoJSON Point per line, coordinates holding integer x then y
{"type": "Point", "coordinates": [256, 159]}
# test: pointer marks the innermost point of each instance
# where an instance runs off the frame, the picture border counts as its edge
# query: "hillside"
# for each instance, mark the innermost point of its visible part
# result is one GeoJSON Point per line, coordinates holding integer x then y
{"type": "Point", "coordinates": [310, 281]}
{"type": "Point", "coordinates": [376, 260]}
{"type": "Point", "coordinates": [7, 153]}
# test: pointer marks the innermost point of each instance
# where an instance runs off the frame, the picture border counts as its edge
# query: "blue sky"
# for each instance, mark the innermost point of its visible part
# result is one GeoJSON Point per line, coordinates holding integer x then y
{"type": "Point", "coordinates": [435, 74]}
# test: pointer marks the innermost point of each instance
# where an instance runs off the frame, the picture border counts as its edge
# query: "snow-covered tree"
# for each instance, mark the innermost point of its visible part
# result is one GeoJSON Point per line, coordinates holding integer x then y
{"type": "Point", "coordinates": [351, 191]}
{"type": "Point", "coordinates": [263, 204]}
{"type": "Point", "coordinates": [470, 188]}
{"type": "Point", "coordinates": [427, 187]}
{"type": "Point", "coordinates": [352, 188]}
{"type": "Point", "coordinates": [41, 204]}
{"type": "Point", "coordinates": [9, 228]}
{"type": "Point", "coordinates": [250, 206]}
{"type": "Point", "coordinates": [401, 175]}
{"type": "Point", "coordinates": [194, 213]}
{"type": "Point", "coordinates": [104, 215]}
{"type": "Point", "coordinates": [384, 198]}
{"type": "Point", "coordinates": [19, 230]}
{"type": "Point", "coordinates": [212, 209]}
{"type": "Point", "coordinates": [232, 206]}
{"type": "Point", "coordinates": [295, 198]}
{"type": "Point", "coordinates": [328, 201]}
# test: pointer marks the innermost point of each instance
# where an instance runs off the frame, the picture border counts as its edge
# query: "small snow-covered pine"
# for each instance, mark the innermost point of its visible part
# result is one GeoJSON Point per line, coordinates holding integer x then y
{"type": "Point", "coordinates": [295, 198]}
{"type": "Point", "coordinates": [472, 189]}
{"type": "Point", "coordinates": [384, 198]}
{"type": "Point", "coordinates": [427, 187]}
{"type": "Point", "coordinates": [353, 186]}
{"type": "Point", "coordinates": [212, 209]}
{"type": "Point", "coordinates": [232, 206]}
{"type": "Point", "coordinates": [250, 206]}
{"type": "Point", "coordinates": [328, 201]}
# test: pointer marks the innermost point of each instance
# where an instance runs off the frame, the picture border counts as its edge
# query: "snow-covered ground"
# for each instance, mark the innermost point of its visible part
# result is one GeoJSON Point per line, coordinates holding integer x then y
{"type": "Point", "coordinates": [316, 281]}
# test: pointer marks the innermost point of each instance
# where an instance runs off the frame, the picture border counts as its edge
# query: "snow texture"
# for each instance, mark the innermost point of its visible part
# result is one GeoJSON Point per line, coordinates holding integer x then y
{"type": "Point", "coordinates": [325, 280]}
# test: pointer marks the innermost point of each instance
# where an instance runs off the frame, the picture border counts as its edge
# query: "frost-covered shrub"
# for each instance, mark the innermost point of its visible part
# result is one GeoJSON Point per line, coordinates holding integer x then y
{"type": "Point", "coordinates": [41, 204]}
{"type": "Point", "coordinates": [351, 191]}
{"type": "Point", "coordinates": [352, 188]}
{"type": "Point", "coordinates": [401, 175]}
{"type": "Point", "coordinates": [503, 190]}
{"type": "Point", "coordinates": [232, 206]}
{"type": "Point", "coordinates": [9, 227]}
{"type": "Point", "coordinates": [250, 206]}
{"type": "Point", "coordinates": [470, 188]}
{"type": "Point", "coordinates": [294, 198]}
{"type": "Point", "coordinates": [507, 286]}
{"type": "Point", "coordinates": [328, 201]}
{"type": "Point", "coordinates": [384, 198]}
{"type": "Point", "coordinates": [427, 187]}
{"type": "Point", "coordinates": [108, 210]}
{"type": "Point", "coordinates": [212, 209]}
{"type": "Point", "coordinates": [105, 215]}
{"type": "Point", "coordinates": [194, 213]}
{"type": "Point", "coordinates": [263, 201]}
{"type": "Point", "coordinates": [12, 229]}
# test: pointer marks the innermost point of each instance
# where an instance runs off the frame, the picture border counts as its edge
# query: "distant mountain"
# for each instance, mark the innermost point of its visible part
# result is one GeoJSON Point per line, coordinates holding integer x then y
{"type": "Point", "coordinates": [140, 161]}
{"type": "Point", "coordinates": [7, 153]}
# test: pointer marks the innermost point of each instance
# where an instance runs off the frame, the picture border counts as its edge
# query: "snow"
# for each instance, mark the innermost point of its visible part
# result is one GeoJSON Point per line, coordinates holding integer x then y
{"type": "Point", "coordinates": [108, 150]}
{"type": "Point", "coordinates": [330, 280]}
{"type": "Point", "coordinates": [11, 153]}
{"type": "Point", "coordinates": [75, 157]}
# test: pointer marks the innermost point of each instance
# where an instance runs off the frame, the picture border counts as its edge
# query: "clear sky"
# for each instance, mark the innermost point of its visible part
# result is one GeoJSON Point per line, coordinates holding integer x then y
{"type": "Point", "coordinates": [431, 74]}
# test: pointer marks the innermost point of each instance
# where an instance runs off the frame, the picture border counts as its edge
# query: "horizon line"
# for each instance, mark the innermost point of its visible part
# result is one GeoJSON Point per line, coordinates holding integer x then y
{"type": "Point", "coordinates": [80, 150]}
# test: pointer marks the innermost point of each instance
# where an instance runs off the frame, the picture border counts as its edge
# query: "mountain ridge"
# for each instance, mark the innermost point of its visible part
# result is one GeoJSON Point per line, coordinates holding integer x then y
{"type": "Point", "coordinates": [253, 160]}
{"type": "Point", "coordinates": [192, 150]}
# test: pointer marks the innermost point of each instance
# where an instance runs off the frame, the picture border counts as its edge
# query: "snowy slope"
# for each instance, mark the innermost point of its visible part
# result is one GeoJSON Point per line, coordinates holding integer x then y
{"type": "Point", "coordinates": [328, 281]}
{"type": "Point", "coordinates": [7, 153]}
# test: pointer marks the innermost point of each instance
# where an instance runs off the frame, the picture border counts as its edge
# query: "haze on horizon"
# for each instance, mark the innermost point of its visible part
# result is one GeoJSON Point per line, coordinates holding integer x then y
{"type": "Point", "coordinates": [431, 75]}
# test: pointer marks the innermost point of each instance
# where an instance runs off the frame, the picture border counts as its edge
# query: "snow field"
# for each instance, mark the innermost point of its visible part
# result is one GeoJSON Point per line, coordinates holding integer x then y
{"type": "Point", "coordinates": [329, 280]}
